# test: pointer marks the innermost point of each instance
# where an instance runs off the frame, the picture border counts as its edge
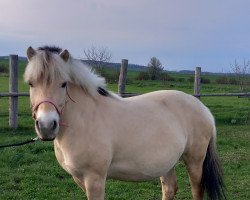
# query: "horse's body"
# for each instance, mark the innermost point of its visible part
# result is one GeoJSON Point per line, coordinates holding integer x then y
{"type": "Point", "coordinates": [132, 139]}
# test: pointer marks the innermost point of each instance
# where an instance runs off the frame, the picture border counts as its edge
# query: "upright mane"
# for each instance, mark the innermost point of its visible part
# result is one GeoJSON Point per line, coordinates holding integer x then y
{"type": "Point", "coordinates": [47, 66]}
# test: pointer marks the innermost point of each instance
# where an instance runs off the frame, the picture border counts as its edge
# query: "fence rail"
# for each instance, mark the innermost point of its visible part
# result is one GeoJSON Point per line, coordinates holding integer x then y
{"type": "Point", "coordinates": [14, 94]}
{"type": "Point", "coordinates": [247, 95]}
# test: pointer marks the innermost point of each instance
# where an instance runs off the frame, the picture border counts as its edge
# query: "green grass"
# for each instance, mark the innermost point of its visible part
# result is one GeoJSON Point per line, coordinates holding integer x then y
{"type": "Point", "coordinates": [32, 171]}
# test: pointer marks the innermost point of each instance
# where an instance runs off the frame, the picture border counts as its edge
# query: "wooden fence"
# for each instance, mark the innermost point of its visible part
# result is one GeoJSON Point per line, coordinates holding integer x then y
{"type": "Point", "coordinates": [13, 88]}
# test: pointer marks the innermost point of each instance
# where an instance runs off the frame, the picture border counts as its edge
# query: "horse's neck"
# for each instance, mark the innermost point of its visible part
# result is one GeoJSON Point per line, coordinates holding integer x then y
{"type": "Point", "coordinates": [79, 100]}
{"type": "Point", "coordinates": [78, 110]}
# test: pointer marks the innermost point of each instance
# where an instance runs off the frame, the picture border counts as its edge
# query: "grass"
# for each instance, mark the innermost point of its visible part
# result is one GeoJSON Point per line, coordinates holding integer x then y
{"type": "Point", "coordinates": [32, 171]}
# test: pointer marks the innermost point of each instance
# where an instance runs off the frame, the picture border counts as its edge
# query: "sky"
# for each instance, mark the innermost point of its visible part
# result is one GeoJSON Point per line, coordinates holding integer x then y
{"type": "Point", "coordinates": [182, 34]}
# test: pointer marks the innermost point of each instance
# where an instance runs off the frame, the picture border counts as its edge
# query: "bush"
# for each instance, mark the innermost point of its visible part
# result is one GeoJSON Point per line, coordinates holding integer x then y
{"type": "Point", "coordinates": [190, 79]}
{"type": "Point", "coordinates": [142, 75]}
{"type": "Point", "coordinates": [222, 80]}
{"type": "Point", "coordinates": [165, 77]}
{"type": "Point", "coordinates": [233, 81]}
{"type": "Point", "coordinates": [181, 80]}
{"type": "Point", "coordinates": [171, 78]}
{"type": "Point", "coordinates": [205, 80]}
{"type": "Point", "coordinates": [4, 69]}
{"type": "Point", "coordinates": [110, 75]}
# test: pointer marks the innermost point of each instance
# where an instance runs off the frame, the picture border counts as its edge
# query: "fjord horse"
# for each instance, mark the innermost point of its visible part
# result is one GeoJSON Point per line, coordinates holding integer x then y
{"type": "Point", "coordinates": [99, 135]}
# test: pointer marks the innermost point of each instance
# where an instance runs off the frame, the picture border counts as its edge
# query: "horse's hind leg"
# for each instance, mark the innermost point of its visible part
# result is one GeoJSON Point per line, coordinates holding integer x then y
{"type": "Point", "coordinates": [194, 163]}
{"type": "Point", "coordinates": [169, 185]}
{"type": "Point", "coordinates": [195, 175]}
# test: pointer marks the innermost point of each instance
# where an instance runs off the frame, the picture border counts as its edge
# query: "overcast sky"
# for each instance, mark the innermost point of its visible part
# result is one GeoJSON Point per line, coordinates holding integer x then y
{"type": "Point", "coordinates": [182, 34]}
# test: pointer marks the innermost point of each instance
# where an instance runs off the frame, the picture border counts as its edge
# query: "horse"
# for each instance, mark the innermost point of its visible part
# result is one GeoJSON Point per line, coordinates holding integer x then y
{"type": "Point", "coordinates": [99, 135]}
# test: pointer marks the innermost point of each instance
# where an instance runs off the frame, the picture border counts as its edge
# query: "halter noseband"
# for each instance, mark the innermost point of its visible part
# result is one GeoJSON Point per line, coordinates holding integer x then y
{"type": "Point", "coordinates": [34, 109]}
{"type": "Point", "coordinates": [59, 112]}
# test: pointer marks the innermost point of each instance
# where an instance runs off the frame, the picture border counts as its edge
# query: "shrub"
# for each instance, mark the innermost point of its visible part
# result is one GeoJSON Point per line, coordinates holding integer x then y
{"type": "Point", "coordinates": [165, 77]}
{"type": "Point", "coordinates": [233, 81]}
{"type": "Point", "coordinates": [4, 69]}
{"type": "Point", "coordinates": [142, 75]}
{"type": "Point", "coordinates": [205, 80]}
{"type": "Point", "coordinates": [181, 80]}
{"type": "Point", "coordinates": [171, 78]}
{"type": "Point", "coordinates": [190, 79]}
{"type": "Point", "coordinates": [110, 75]}
{"type": "Point", "coordinates": [222, 80]}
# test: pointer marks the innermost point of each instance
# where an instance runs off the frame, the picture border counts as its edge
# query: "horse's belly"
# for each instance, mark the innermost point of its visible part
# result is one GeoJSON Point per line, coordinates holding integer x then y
{"type": "Point", "coordinates": [139, 170]}
{"type": "Point", "coordinates": [129, 176]}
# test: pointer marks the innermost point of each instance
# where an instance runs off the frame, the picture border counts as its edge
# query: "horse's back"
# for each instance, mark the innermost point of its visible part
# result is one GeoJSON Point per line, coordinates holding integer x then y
{"type": "Point", "coordinates": [186, 110]}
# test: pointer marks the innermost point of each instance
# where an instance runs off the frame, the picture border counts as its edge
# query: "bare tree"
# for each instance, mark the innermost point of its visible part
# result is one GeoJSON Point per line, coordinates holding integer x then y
{"type": "Point", "coordinates": [98, 56]}
{"type": "Point", "coordinates": [241, 71]}
{"type": "Point", "coordinates": [155, 68]}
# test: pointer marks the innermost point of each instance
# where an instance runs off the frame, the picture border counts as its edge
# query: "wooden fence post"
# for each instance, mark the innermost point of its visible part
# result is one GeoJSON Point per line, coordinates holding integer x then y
{"type": "Point", "coordinates": [122, 77]}
{"type": "Point", "coordinates": [197, 82]}
{"type": "Point", "coordinates": [13, 88]}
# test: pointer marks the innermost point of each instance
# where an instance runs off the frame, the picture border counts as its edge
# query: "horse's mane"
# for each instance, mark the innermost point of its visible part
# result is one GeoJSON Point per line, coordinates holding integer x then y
{"type": "Point", "coordinates": [52, 49]}
{"type": "Point", "coordinates": [47, 66]}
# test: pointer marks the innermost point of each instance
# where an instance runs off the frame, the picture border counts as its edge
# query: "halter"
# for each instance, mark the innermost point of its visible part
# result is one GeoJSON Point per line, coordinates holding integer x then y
{"type": "Point", "coordinates": [59, 112]}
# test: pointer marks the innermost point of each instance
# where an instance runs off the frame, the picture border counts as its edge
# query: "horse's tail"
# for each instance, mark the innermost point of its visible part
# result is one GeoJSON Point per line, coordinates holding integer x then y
{"type": "Point", "coordinates": [212, 177]}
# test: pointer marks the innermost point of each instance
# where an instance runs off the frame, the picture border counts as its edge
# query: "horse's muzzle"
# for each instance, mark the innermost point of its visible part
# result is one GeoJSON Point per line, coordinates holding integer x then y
{"type": "Point", "coordinates": [46, 131]}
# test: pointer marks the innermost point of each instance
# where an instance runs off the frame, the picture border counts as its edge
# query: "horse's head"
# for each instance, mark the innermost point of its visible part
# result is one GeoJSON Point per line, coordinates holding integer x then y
{"type": "Point", "coordinates": [47, 74]}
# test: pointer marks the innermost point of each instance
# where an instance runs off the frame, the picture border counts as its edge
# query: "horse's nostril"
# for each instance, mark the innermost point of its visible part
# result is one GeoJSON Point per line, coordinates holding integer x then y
{"type": "Point", "coordinates": [37, 124]}
{"type": "Point", "coordinates": [54, 125]}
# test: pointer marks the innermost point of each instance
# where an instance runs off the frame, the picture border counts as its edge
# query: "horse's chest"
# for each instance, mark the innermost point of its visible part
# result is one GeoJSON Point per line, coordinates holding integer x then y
{"type": "Point", "coordinates": [62, 159]}
{"type": "Point", "coordinates": [67, 161]}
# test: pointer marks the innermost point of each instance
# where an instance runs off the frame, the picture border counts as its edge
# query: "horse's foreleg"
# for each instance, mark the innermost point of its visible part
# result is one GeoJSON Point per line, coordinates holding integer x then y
{"type": "Point", "coordinates": [80, 183]}
{"type": "Point", "coordinates": [95, 187]}
{"type": "Point", "coordinates": [169, 185]}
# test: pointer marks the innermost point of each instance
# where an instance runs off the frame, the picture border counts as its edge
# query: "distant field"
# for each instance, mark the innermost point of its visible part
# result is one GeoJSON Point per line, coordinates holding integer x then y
{"type": "Point", "coordinates": [32, 172]}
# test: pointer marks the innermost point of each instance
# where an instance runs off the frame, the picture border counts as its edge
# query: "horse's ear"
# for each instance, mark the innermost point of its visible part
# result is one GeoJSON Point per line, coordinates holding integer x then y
{"type": "Point", "coordinates": [64, 55]}
{"type": "Point", "coordinates": [30, 53]}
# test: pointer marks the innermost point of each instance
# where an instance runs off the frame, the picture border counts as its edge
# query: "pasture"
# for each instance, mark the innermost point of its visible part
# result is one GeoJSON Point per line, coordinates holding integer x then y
{"type": "Point", "coordinates": [32, 172]}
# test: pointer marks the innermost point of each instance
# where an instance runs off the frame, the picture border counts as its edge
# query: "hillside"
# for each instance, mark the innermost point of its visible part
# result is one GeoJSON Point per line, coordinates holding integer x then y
{"type": "Point", "coordinates": [131, 67]}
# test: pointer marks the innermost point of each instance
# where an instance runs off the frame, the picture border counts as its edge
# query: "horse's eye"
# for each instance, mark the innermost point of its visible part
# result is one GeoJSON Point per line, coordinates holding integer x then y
{"type": "Point", "coordinates": [64, 85]}
{"type": "Point", "coordinates": [30, 84]}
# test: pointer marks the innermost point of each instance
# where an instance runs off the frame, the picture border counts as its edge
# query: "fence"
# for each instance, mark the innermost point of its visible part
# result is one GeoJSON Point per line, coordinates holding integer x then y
{"type": "Point", "coordinates": [13, 88]}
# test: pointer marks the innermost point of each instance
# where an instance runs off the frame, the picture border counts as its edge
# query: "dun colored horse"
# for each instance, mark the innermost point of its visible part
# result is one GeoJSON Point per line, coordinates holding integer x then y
{"type": "Point", "coordinates": [98, 135]}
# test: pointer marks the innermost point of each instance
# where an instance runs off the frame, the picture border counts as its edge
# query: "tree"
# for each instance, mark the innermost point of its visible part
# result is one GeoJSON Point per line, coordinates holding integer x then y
{"type": "Point", "coordinates": [154, 68]}
{"type": "Point", "coordinates": [241, 71]}
{"type": "Point", "coordinates": [98, 56]}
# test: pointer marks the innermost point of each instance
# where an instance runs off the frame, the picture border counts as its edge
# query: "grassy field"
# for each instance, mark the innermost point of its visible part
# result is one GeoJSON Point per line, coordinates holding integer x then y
{"type": "Point", "coordinates": [32, 172]}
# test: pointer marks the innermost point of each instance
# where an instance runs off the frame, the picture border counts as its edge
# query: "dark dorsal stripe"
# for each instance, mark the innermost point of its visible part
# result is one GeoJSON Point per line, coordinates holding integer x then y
{"type": "Point", "coordinates": [52, 49]}
{"type": "Point", "coordinates": [102, 91]}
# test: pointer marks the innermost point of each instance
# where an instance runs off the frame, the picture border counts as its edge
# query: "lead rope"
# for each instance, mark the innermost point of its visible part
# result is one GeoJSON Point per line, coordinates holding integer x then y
{"type": "Point", "coordinates": [20, 143]}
